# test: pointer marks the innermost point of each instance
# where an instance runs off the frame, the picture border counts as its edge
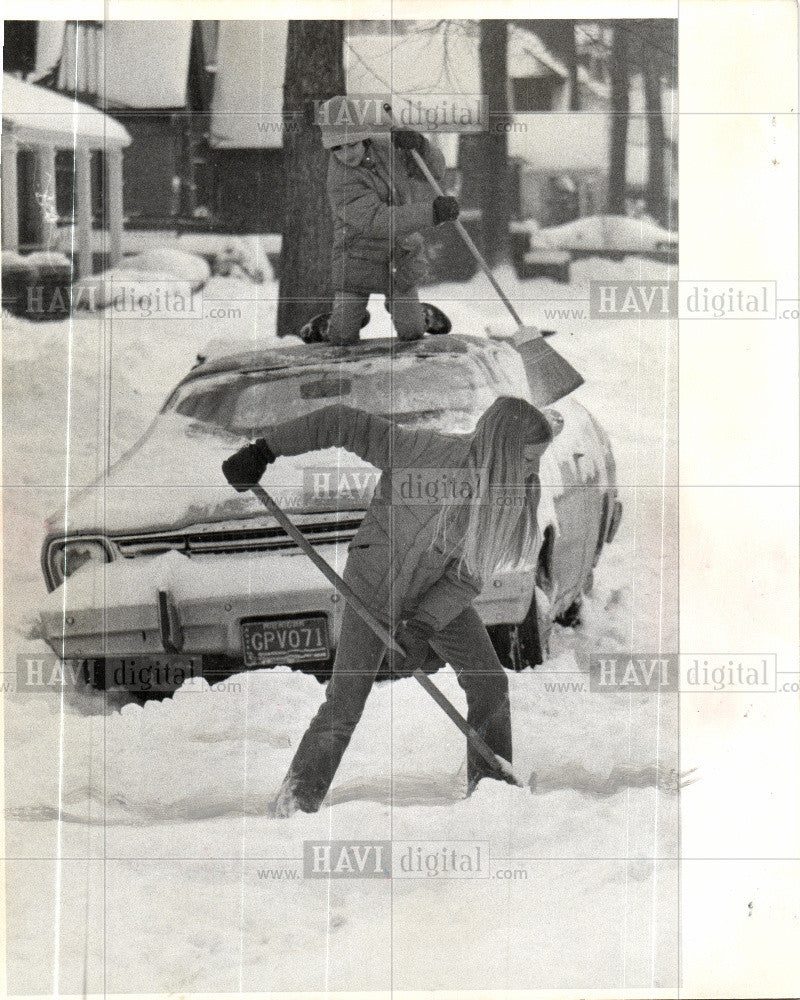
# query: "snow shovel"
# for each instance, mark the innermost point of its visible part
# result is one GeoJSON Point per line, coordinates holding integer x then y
{"type": "Point", "coordinates": [550, 376]}
{"type": "Point", "coordinates": [355, 602]}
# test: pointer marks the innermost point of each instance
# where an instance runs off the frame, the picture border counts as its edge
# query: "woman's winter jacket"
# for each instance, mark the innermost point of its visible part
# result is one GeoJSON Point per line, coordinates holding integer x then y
{"type": "Point", "coordinates": [391, 564]}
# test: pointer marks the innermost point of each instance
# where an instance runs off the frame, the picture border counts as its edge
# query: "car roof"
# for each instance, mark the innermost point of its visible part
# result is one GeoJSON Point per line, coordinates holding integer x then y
{"type": "Point", "coordinates": [304, 355]}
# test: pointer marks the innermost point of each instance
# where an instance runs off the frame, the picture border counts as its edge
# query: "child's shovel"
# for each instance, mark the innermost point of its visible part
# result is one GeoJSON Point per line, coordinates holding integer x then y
{"type": "Point", "coordinates": [549, 375]}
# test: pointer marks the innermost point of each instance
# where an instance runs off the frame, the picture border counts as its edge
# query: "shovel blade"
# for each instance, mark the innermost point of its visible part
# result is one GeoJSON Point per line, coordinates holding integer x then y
{"type": "Point", "coordinates": [550, 376]}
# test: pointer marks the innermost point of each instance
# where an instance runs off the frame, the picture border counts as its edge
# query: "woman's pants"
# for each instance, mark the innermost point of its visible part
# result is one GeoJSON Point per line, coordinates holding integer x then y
{"type": "Point", "coordinates": [464, 644]}
{"type": "Point", "coordinates": [348, 311]}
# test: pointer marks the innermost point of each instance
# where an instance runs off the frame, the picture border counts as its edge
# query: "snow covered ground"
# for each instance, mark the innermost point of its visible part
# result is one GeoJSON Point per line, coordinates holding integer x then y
{"type": "Point", "coordinates": [139, 855]}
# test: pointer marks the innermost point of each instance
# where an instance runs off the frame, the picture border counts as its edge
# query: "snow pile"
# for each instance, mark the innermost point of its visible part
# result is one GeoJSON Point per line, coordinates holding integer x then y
{"type": "Point", "coordinates": [243, 260]}
{"type": "Point", "coordinates": [177, 263]}
{"type": "Point", "coordinates": [44, 259]}
{"type": "Point", "coordinates": [118, 286]}
{"type": "Point", "coordinates": [143, 278]}
{"type": "Point", "coordinates": [602, 232]}
{"type": "Point", "coordinates": [241, 256]}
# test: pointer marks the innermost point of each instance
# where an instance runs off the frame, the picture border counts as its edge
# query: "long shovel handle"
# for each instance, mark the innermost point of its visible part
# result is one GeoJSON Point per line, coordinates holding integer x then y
{"type": "Point", "coordinates": [474, 739]}
{"type": "Point", "coordinates": [423, 166]}
{"type": "Point", "coordinates": [326, 569]}
{"type": "Point", "coordinates": [355, 602]}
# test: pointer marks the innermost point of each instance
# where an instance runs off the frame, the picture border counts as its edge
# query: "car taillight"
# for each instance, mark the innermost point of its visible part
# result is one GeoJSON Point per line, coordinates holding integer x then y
{"type": "Point", "coordinates": [67, 556]}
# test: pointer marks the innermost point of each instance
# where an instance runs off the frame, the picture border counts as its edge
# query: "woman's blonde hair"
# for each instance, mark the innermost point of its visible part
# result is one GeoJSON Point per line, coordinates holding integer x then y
{"type": "Point", "coordinates": [497, 527]}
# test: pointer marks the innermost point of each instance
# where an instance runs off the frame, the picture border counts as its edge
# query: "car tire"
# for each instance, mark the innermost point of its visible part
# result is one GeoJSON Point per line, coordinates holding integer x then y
{"type": "Point", "coordinates": [525, 644]}
{"type": "Point", "coordinates": [571, 618]}
{"type": "Point", "coordinates": [536, 628]}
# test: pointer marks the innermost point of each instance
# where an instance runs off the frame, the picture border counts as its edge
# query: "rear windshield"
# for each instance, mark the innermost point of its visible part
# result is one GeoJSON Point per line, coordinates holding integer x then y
{"type": "Point", "coordinates": [443, 392]}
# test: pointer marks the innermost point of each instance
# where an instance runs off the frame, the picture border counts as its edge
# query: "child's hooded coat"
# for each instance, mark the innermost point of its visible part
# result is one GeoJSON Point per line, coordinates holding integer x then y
{"type": "Point", "coordinates": [378, 209]}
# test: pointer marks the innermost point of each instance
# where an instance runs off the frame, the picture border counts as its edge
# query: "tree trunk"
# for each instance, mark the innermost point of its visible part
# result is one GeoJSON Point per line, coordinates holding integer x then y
{"type": "Point", "coordinates": [314, 72]}
{"type": "Point", "coordinates": [620, 107]}
{"type": "Point", "coordinates": [656, 145]}
{"type": "Point", "coordinates": [494, 175]}
{"type": "Point", "coordinates": [571, 59]}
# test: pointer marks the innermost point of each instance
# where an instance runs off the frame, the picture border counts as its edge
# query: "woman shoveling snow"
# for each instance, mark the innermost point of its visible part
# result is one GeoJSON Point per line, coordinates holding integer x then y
{"type": "Point", "coordinates": [417, 565]}
{"type": "Point", "coordinates": [380, 202]}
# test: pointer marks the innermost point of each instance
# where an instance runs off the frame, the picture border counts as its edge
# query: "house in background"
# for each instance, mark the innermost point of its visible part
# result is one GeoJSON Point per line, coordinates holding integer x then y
{"type": "Point", "coordinates": [153, 78]}
{"type": "Point", "coordinates": [39, 127]}
{"type": "Point", "coordinates": [440, 63]}
{"type": "Point", "coordinates": [192, 96]}
{"type": "Point", "coordinates": [246, 125]}
{"type": "Point", "coordinates": [559, 159]}
{"type": "Point", "coordinates": [202, 104]}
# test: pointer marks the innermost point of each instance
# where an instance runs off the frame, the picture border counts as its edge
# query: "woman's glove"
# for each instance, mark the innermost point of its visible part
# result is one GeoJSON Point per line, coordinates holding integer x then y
{"type": "Point", "coordinates": [414, 638]}
{"type": "Point", "coordinates": [407, 138]}
{"type": "Point", "coordinates": [445, 208]}
{"type": "Point", "coordinates": [245, 467]}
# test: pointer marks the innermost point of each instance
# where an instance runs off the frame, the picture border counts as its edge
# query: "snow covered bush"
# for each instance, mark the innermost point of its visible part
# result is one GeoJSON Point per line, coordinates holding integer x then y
{"type": "Point", "coordinates": [98, 291]}
{"type": "Point", "coordinates": [176, 264]}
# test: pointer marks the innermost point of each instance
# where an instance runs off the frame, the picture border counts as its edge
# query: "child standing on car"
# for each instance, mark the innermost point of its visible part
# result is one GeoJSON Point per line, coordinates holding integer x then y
{"type": "Point", "coordinates": [418, 567]}
{"type": "Point", "coordinates": [380, 202]}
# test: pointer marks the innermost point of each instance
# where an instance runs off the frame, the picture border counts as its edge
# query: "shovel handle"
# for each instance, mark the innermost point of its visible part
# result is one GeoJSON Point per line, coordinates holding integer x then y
{"type": "Point", "coordinates": [480, 746]}
{"type": "Point", "coordinates": [323, 566]}
{"type": "Point", "coordinates": [423, 166]}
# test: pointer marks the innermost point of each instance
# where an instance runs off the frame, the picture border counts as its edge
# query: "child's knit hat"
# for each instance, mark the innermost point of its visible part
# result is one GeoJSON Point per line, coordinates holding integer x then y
{"type": "Point", "coordinates": [342, 121]}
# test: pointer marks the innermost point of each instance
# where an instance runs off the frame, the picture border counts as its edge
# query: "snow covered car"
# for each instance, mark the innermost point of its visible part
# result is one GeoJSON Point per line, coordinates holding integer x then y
{"type": "Point", "coordinates": [162, 563]}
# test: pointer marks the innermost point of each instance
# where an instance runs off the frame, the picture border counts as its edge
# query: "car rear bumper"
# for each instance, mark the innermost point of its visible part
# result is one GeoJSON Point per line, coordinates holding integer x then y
{"type": "Point", "coordinates": [195, 606]}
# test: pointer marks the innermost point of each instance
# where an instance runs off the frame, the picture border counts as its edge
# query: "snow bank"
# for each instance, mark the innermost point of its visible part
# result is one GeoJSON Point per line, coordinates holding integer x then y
{"type": "Point", "coordinates": [140, 277]}
{"type": "Point", "coordinates": [120, 285]}
{"type": "Point", "coordinates": [189, 779]}
{"type": "Point", "coordinates": [602, 232]}
{"type": "Point", "coordinates": [177, 263]}
{"type": "Point", "coordinates": [251, 251]}
{"type": "Point", "coordinates": [44, 258]}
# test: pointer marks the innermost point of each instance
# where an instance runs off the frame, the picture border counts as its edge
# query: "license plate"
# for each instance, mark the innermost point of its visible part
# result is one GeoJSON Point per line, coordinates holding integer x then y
{"type": "Point", "coordinates": [270, 641]}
